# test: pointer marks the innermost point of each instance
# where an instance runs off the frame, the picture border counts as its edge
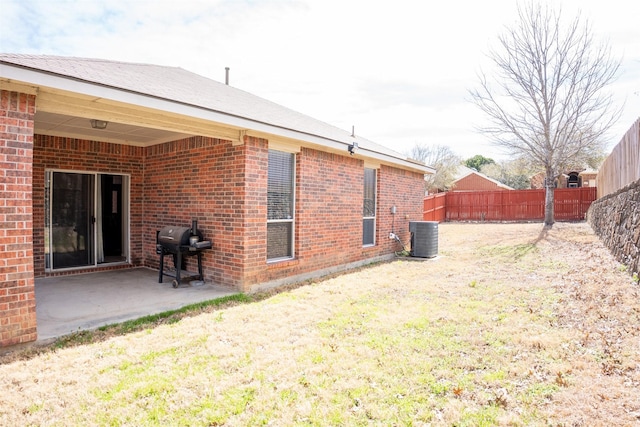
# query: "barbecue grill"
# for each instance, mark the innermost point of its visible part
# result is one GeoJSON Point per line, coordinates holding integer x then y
{"type": "Point", "coordinates": [180, 242]}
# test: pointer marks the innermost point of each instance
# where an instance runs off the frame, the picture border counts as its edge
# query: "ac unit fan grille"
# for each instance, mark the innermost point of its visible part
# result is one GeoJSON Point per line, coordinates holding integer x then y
{"type": "Point", "coordinates": [424, 238]}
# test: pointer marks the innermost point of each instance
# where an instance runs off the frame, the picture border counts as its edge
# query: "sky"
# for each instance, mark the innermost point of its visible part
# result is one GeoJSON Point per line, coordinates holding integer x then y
{"type": "Point", "coordinates": [397, 72]}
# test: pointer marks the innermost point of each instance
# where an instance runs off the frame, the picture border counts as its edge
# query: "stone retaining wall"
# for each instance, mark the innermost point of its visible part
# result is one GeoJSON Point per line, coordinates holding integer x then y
{"type": "Point", "coordinates": [615, 218]}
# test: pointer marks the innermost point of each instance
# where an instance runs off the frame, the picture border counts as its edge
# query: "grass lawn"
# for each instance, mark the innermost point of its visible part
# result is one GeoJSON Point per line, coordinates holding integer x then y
{"type": "Point", "coordinates": [512, 324]}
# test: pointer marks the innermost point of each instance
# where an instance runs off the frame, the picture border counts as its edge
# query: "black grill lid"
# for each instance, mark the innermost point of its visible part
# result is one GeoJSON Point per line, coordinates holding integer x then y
{"type": "Point", "coordinates": [174, 236]}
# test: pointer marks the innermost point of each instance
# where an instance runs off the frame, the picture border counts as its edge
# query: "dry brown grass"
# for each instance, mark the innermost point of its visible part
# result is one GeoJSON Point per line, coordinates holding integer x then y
{"type": "Point", "coordinates": [513, 324]}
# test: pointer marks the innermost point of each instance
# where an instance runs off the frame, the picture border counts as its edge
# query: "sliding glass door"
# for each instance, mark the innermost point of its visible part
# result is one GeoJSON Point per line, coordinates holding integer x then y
{"type": "Point", "coordinates": [86, 221]}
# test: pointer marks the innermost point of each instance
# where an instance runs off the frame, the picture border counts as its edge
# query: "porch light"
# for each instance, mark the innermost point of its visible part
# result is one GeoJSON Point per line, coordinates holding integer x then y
{"type": "Point", "coordinates": [99, 124]}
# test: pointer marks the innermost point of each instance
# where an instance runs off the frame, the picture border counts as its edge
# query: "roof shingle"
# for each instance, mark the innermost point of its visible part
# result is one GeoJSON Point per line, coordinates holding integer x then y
{"type": "Point", "coordinates": [178, 85]}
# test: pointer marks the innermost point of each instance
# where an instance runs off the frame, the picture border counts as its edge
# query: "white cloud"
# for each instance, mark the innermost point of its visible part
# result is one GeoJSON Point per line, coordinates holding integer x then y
{"type": "Point", "coordinates": [399, 71]}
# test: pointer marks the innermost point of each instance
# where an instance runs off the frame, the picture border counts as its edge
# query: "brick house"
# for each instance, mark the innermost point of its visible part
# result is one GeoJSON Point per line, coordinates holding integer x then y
{"type": "Point", "coordinates": [570, 179]}
{"type": "Point", "coordinates": [96, 156]}
{"type": "Point", "coordinates": [468, 179]}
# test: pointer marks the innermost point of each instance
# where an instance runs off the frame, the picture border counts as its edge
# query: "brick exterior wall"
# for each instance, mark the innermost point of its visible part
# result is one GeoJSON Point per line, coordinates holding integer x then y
{"type": "Point", "coordinates": [405, 191]}
{"type": "Point", "coordinates": [69, 154]}
{"type": "Point", "coordinates": [328, 215]}
{"type": "Point", "coordinates": [329, 198]}
{"type": "Point", "coordinates": [222, 185]}
{"type": "Point", "coordinates": [17, 293]}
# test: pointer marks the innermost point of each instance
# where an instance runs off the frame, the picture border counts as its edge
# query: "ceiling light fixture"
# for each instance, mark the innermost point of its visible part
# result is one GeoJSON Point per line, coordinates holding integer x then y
{"type": "Point", "coordinates": [99, 124]}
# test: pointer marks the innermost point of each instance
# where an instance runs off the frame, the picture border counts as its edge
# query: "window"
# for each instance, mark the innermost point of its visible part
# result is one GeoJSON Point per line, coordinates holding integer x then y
{"type": "Point", "coordinates": [369, 208]}
{"type": "Point", "coordinates": [280, 205]}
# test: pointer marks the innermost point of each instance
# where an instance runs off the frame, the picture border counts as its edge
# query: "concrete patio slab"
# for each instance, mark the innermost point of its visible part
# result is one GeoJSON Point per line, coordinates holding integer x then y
{"type": "Point", "coordinates": [67, 304]}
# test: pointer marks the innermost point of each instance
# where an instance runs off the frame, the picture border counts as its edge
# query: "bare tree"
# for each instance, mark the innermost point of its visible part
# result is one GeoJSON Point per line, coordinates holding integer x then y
{"type": "Point", "coordinates": [546, 102]}
{"type": "Point", "coordinates": [515, 173]}
{"type": "Point", "coordinates": [442, 159]}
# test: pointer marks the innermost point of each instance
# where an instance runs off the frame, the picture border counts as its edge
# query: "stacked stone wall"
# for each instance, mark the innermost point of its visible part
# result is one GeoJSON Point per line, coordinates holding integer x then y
{"type": "Point", "coordinates": [615, 218]}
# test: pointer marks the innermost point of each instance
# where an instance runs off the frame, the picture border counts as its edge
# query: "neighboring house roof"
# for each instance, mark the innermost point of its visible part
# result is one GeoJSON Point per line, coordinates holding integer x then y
{"type": "Point", "coordinates": [186, 93]}
{"type": "Point", "coordinates": [589, 172]}
{"type": "Point", "coordinates": [464, 172]}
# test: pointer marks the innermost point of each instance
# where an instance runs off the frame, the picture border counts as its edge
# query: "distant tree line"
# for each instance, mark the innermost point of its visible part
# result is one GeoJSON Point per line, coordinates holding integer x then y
{"type": "Point", "coordinates": [514, 173]}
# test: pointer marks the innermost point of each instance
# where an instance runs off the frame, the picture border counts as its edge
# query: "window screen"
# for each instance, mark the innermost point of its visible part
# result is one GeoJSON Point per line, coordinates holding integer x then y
{"type": "Point", "coordinates": [369, 208]}
{"type": "Point", "coordinates": [280, 205]}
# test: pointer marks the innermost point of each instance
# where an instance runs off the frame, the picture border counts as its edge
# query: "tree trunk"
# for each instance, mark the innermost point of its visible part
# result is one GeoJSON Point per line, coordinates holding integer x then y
{"type": "Point", "coordinates": [548, 200]}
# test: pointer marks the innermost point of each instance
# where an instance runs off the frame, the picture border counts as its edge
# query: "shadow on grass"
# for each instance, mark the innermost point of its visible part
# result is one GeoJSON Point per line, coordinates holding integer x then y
{"type": "Point", "coordinates": [543, 234]}
{"type": "Point", "coordinates": [517, 252]}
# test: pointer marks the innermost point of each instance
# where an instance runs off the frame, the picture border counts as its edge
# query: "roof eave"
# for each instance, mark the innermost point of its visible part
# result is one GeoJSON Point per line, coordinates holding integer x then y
{"type": "Point", "coordinates": [37, 78]}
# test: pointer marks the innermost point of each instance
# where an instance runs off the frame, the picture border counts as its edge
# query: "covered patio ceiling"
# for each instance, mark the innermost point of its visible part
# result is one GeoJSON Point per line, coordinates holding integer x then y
{"type": "Point", "coordinates": [54, 124]}
{"type": "Point", "coordinates": [64, 114]}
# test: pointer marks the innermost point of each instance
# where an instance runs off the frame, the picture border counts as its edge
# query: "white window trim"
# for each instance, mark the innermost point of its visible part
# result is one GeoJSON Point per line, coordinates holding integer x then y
{"type": "Point", "coordinates": [375, 203]}
{"type": "Point", "coordinates": [368, 245]}
{"type": "Point", "coordinates": [288, 220]}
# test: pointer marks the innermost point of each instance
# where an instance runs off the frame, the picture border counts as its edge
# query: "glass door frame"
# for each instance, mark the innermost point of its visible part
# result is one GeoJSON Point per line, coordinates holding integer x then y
{"type": "Point", "coordinates": [95, 222]}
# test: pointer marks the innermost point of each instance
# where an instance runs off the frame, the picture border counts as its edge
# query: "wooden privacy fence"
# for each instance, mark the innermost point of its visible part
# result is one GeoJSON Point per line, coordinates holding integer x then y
{"type": "Point", "coordinates": [622, 166]}
{"type": "Point", "coordinates": [434, 207]}
{"type": "Point", "coordinates": [570, 204]}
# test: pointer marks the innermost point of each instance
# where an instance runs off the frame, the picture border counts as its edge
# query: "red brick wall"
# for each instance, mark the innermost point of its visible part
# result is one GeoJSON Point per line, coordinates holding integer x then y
{"type": "Point", "coordinates": [171, 184]}
{"type": "Point", "coordinates": [405, 191]}
{"type": "Point", "coordinates": [329, 197]}
{"type": "Point", "coordinates": [254, 226]}
{"type": "Point", "coordinates": [328, 215]}
{"type": "Point", "coordinates": [69, 154]}
{"type": "Point", "coordinates": [17, 295]}
{"type": "Point", "coordinates": [473, 182]}
{"type": "Point", "coordinates": [223, 187]}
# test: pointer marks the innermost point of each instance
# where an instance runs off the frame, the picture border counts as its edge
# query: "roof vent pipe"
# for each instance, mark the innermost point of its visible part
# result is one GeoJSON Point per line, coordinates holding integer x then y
{"type": "Point", "coordinates": [226, 76]}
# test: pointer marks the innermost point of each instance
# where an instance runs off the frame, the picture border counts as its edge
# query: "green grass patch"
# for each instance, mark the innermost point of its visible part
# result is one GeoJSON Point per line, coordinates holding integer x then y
{"type": "Point", "coordinates": [538, 392]}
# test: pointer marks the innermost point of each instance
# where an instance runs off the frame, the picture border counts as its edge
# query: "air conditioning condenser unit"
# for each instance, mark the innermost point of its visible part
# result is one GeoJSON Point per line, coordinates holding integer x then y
{"type": "Point", "coordinates": [424, 238]}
